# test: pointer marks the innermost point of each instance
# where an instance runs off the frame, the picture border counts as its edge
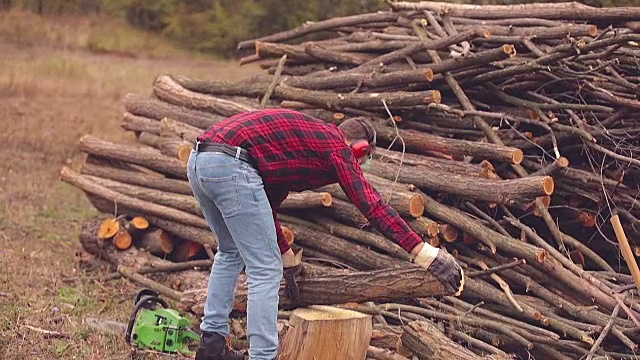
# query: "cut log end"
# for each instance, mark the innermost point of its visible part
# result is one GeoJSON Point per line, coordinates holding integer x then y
{"type": "Point", "coordinates": [517, 156]}
{"type": "Point", "coordinates": [449, 233]}
{"type": "Point", "coordinates": [593, 30]}
{"type": "Point", "coordinates": [122, 240]}
{"type": "Point", "coordinates": [541, 256]}
{"type": "Point", "coordinates": [548, 185]}
{"type": "Point", "coordinates": [289, 236]}
{"type": "Point", "coordinates": [184, 151]}
{"type": "Point", "coordinates": [562, 162]}
{"type": "Point", "coordinates": [139, 223]}
{"type": "Point", "coordinates": [312, 328]}
{"type": "Point", "coordinates": [509, 49]}
{"type": "Point", "coordinates": [428, 75]}
{"type": "Point", "coordinates": [327, 199]}
{"type": "Point", "coordinates": [108, 228]}
{"type": "Point", "coordinates": [339, 116]}
{"type": "Point", "coordinates": [435, 98]}
{"type": "Point", "coordinates": [416, 205]}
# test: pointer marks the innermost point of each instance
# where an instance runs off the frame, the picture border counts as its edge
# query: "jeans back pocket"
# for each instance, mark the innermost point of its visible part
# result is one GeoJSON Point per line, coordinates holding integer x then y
{"type": "Point", "coordinates": [224, 192]}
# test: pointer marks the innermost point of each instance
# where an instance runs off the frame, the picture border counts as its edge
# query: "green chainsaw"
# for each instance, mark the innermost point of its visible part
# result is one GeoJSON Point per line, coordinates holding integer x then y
{"type": "Point", "coordinates": [159, 328]}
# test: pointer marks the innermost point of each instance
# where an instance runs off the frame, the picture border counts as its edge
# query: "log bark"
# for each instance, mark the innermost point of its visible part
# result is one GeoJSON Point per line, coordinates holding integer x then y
{"type": "Point", "coordinates": [404, 201]}
{"type": "Point", "coordinates": [157, 242]}
{"type": "Point", "coordinates": [429, 343]}
{"type": "Point", "coordinates": [355, 255]}
{"type": "Point", "coordinates": [139, 155]}
{"type": "Point", "coordinates": [140, 206]}
{"type": "Point", "coordinates": [139, 124]}
{"type": "Point", "coordinates": [340, 288]}
{"type": "Point", "coordinates": [135, 178]}
{"type": "Point", "coordinates": [183, 231]}
{"type": "Point", "coordinates": [312, 328]}
{"type": "Point", "coordinates": [171, 146]}
{"type": "Point", "coordinates": [175, 201]}
{"type": "Point", "coordinates": [420, 142]}
{"type": "Point", "coordinates": [135, 259]}
{"type": "Point", "coordinates": [495, 191]}
{"type": "Point", "coordinates": [381, 80]}
{"type": "Point", "coordinates": [322, 99]}
{"type": "Point", "coordinates": [307, 199]}
{"type": "Point", "coordinates": [168, 90]}
{"type": "Point", "coordinates": [482, 170]}
{"type": "Point", "coordinates": [152, 108]}
{"type": "Point", "coordinates": [550, 11]}
{"type": "Point", "coordinates": [322, 25]}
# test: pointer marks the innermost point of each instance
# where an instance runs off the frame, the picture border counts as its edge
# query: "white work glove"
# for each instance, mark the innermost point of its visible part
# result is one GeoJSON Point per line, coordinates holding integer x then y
{"type": "Point", "coordinates": [443, 266]}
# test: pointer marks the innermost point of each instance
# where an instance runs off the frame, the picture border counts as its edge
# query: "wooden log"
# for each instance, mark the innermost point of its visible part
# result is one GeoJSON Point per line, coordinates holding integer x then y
{"type": "Point", "coordinates": [186, 132]}
{"type": "Point", "coordinates": [387, 337]}
{"type": "Point", "coordinates": [321, 26]}
{"type": "Point", "coordinates": [168, 90]}
{"type": "Point", "coordinates": [197, 234]}
{"type": "Point", "coordinates": [142, 105]}
{"type": "Point", "coordinates": [136, 226]}
{"type": "Point", "coordinates": [381, 80]}
{"type": "Point", "coordinates": [400, 196]}
{"type": "Point", "coordinates": [322, 99]}
{"type": "Point", "coordinates": [139, 155]}
{"type": "Point", "coordinates": [144, 207]}
{"type": "Point", "coordinates": [185, 250]}
{"type": "Point", "coordinates": [550, 11]}
{"type": "Point", "coordinates": [135, 178]}
{"type": "Point", "coordinates": [135, 259]}
{"type": "Point", "coordinates": [481, 170]}
{"type": "Point", "coordinates": [139, 124]}
{"type": "Point", "coordinates": [341, 287]}
{"type": "Point", "coordinates": [158, 242]}
{"type": "Point", "coordinates": [109, 227]}
{"type": "Point", "coordinates": [307, 199]}
{"type": "Point", "coordinates": [355, 255]}
{"type": "Point", "coordinates": [312, 328]}
{"type": "Point", "coordinates": [122, 240]}
{"type": "Point", "coordinates": [420, 142]}
{"type": "Point", "coordinates": [427, 342]}
{"type": "Point", "coordinates": [495, 191]}
{"type": "Point", "coordinates": [175, 201]}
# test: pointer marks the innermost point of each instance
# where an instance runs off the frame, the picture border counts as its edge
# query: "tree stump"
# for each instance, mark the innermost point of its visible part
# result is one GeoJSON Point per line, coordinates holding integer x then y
{"type": "Point", "coordinates": [326, 333]}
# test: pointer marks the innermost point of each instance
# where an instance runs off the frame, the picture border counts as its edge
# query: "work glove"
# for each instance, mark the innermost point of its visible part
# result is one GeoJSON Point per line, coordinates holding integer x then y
{"type": "Point", "coordinates": [292, 267]}
{"type": "Point", "coordinates": [443, 266]}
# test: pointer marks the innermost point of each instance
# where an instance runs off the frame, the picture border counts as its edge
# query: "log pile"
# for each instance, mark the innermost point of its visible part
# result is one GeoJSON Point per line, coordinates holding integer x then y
{"type": "Point", "coordinates": [506, 135]}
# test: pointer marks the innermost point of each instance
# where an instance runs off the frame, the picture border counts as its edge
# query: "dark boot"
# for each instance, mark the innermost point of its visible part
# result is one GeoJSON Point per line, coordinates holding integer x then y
{"type": "Point", "coordinates": [215, 347]}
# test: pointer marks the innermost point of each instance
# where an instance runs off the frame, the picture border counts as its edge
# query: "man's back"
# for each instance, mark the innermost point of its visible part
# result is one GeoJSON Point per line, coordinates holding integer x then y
{"type": "Point", "coordinates": [289, 148]}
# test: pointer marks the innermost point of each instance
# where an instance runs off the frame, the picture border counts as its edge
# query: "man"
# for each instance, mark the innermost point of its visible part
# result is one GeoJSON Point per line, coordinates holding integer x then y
{"type": "Point", "coordinates": [241, 170]}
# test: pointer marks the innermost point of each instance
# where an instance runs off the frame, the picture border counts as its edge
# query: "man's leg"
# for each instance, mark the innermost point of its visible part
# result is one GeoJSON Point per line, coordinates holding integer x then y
{"type": "Point", "coordinates": [238, 193]}
{"type": "Point", "coordinates": [227, 261]}
{"type": "Point", "coordinates": [254, 233]}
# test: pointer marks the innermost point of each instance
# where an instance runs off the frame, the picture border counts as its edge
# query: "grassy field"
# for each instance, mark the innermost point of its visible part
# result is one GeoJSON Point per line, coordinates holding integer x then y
{"type": "Point", "coordinates": [60, 79]}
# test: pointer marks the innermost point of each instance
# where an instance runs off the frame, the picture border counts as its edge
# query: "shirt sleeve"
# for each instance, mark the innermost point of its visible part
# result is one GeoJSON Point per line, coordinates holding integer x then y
{"type": "Point", "coordinates": [364, 196]}
{"type": "Point", "coordinates": [276, 196]}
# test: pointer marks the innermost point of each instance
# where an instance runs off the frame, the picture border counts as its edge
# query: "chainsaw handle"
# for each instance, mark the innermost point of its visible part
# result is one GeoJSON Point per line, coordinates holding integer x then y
{"type": "Point", "coordinates": [132, 318]}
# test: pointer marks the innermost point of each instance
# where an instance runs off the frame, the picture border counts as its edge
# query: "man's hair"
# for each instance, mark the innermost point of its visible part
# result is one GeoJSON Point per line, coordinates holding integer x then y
{"type": "Point", "coordinates": [357, 128]}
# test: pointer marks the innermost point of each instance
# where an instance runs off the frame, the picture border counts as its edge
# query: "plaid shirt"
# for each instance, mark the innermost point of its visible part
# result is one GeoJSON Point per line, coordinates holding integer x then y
{"type": "Point", "coordinates": [296, 152]}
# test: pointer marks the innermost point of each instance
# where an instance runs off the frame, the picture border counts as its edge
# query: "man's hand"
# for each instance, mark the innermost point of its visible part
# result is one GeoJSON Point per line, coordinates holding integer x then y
{"type": "Point", "coordinates": [442, 265]}
{"type": "Point", "coordinates": [292, 266]}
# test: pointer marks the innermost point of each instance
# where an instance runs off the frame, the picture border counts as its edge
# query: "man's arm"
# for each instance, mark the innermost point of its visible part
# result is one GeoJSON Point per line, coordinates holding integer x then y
{"type": "Point", "coordinates": [276, 196]}
{"type": "Point", "coordinates": [364, 196]}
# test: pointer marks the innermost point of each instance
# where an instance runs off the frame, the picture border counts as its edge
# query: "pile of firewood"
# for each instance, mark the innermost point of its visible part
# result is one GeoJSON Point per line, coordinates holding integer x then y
{"type": "Point", "coordinates": [505, 133]}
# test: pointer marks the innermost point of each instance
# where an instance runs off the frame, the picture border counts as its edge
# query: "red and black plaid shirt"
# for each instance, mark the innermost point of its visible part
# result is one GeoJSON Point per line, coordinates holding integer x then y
{"type": "Point", "coordinates": [295, 152]}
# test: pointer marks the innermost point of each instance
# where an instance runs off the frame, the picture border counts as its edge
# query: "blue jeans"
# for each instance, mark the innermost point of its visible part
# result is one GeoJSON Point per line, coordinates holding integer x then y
{"type": "Point", "coordinates": [233, 201]}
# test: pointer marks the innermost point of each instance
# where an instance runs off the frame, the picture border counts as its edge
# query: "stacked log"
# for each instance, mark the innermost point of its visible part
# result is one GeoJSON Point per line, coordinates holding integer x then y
{"type": "Point", "coordinates": [507, 140]}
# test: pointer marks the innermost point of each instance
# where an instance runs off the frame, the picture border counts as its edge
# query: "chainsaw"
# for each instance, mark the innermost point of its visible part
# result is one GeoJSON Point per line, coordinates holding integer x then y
{"type": "Point", "coordinates": [159, 328]}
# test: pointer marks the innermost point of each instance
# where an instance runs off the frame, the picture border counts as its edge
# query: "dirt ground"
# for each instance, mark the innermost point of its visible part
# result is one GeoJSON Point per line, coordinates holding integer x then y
{"type": "Point", "coordinates": [55, 87]}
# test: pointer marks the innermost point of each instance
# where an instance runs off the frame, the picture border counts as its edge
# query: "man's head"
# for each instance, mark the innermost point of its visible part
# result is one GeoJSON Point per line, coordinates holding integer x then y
{"type": "Point", "coordinates": [360, 136]}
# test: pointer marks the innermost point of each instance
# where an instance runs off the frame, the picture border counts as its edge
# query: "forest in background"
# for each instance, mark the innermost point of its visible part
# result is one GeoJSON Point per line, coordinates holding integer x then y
{"type": "Point", "coordinates": [216, 26]}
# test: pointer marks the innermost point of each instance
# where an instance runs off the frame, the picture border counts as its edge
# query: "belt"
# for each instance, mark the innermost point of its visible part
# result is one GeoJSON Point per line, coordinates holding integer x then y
{"type": "Point", "coordinates": [235, 151]}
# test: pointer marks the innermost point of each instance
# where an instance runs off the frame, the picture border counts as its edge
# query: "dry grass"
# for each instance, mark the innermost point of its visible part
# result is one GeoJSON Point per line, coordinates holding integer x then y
{"type": "Point", "coordinates": [54, 88]}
